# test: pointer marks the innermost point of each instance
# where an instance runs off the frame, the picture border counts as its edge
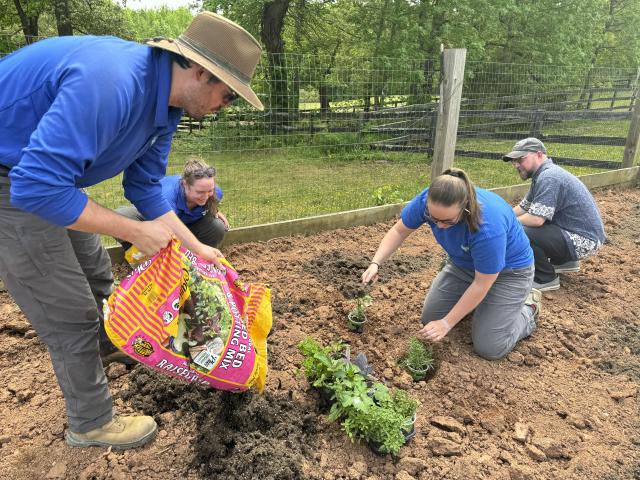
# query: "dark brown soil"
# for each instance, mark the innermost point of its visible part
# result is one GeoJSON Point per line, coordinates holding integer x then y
{"type": "Point", "coordinates": [563, 405]}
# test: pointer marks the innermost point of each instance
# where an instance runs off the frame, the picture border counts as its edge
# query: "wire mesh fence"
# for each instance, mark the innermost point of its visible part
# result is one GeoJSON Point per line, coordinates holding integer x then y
{"type": "Point", "coordinates": [340, 133]}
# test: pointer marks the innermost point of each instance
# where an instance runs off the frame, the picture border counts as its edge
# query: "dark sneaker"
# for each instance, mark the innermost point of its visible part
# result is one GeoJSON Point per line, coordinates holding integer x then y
{"type": "Point", "coordinates": [546, 287]}
{"type": "Point", "coordinates": [120, 433]}
{"type": "Point", "coordinates": [566, 267]}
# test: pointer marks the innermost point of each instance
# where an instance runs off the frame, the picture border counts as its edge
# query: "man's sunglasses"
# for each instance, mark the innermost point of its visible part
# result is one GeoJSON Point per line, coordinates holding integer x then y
{"type": "Point", "coordinates": [230, 97]}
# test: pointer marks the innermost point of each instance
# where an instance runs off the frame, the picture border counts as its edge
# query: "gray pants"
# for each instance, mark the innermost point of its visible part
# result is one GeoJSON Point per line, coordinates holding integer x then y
{"type": "Point", "coordinates": [58, 277]}
{"type": "Point", "coordinates": [499, 321]}
{"type": "Point", "coordinates": [208, 230]}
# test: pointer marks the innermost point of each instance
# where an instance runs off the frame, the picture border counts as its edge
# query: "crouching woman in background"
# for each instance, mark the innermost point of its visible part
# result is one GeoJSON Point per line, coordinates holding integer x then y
{"type": "Point", "coordinates": [194, 197]}
{"type": "Point", "coordinates": [490, 266]}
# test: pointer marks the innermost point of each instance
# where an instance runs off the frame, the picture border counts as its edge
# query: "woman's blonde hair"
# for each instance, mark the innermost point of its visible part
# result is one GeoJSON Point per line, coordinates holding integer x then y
{"type": "Point", "coordinates": [194, 169]}
{"type": "Point", "coordinates": [454, 187]}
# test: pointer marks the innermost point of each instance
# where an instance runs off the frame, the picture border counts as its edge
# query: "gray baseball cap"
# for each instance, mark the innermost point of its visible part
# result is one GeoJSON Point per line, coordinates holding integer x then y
{"type": "Point", "coordinates": [523, 147]}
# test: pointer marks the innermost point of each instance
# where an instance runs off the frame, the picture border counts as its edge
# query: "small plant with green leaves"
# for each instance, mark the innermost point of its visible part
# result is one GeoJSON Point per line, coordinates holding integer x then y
{"type": "Point", "coordinates": [379, 425]}
{"type": "Point", "coordinates": [358, 315]}
{"type": "Point", "coordinates": [322, 364]}
{"type": "Point", "coordinates": [418, 360]}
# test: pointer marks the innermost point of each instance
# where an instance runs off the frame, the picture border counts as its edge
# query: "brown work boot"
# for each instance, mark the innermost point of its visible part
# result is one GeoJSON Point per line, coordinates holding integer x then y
{"type": "Point", "coordinates": [120, 433]}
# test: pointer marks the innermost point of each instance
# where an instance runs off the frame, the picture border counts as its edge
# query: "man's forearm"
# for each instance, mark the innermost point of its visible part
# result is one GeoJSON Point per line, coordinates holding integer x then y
{"type": "Point", "coordinates": [528, 220]}
{"type": "Point", "coordinates": [98, 219]}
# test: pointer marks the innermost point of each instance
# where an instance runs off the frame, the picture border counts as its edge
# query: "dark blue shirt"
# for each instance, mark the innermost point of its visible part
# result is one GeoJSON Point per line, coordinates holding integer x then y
{"type": "Point", "coordinates": [75, 111]}
{"type": "Point", "coordinates": [174, 194]}
{"type": "Point", "coordinates": [500, 242]}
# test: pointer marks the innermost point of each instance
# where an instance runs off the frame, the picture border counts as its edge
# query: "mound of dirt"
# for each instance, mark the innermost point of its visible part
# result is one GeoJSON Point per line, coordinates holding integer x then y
{"type": "Point", "coordinates": [562, 405]}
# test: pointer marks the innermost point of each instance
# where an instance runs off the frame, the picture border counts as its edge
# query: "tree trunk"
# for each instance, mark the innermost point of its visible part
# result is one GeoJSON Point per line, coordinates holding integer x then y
{"type": "Point", "coordinates": [323, 90]}
{"type": "Point", "coordinates": [29, 23]}
{"type": "Point", "coordinates": [63, 18]}
{"type": "Point", "coordinates": [272, 24]}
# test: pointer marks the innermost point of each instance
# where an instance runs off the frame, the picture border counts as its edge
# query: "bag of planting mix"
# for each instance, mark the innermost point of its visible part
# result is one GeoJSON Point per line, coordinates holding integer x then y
{"type": "Point", "coordinates": [181, 315]}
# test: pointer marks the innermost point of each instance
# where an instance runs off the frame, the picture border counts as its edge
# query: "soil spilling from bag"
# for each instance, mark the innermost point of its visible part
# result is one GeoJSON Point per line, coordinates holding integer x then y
{"type": "Point", "coordinates": [239, 435]}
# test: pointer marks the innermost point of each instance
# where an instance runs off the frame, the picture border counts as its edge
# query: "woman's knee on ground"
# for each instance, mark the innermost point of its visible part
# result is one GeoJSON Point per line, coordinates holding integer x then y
{"type": "Point", "coordinates": [492, 346]}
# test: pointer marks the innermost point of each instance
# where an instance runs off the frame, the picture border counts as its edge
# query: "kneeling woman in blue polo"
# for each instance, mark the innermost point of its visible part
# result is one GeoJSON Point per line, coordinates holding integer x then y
{"type": "Point", "coordinates": [489, 270]}
{"type": "Point", "coordinates": [194, 197]}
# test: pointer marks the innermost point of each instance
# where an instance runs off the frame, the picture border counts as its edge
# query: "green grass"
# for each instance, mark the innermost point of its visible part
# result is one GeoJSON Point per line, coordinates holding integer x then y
{"type": "Point", "coordinates": [267, 179]}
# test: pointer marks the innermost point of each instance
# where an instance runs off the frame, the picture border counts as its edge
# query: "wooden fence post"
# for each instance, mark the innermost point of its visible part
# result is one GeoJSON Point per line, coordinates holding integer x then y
{"type": "Point", "coordinates": [537, 124]}
{"type": "Point", "coordinates": [633, 137]}
{"type": "Point", "coordinates": [452, 68]}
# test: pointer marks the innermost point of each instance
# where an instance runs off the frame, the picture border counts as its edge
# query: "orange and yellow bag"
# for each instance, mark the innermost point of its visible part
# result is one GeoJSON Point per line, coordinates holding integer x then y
{"type": "Point", "coordinates": [184, 317]}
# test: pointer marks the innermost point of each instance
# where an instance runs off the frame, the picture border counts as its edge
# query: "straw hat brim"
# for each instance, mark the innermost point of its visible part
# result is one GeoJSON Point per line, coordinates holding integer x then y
{"type": "Point", "coordinates": [238, 86]}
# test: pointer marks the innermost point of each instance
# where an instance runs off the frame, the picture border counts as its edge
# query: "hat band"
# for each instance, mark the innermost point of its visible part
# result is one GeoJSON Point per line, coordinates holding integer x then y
{"type": "Point", "coordinates": [211, 56]}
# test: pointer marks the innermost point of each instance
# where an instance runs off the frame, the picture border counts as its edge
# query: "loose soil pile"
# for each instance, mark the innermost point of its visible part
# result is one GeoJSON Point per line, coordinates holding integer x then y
{"type": "Point", "coordinates": [563, 405]}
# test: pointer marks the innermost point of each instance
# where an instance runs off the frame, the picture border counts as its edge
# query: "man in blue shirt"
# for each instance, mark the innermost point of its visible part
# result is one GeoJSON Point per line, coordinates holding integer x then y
{"type": "Point", "coordinates": [558, 213]}
{"type": "Point", "coordinates": [75, 111]}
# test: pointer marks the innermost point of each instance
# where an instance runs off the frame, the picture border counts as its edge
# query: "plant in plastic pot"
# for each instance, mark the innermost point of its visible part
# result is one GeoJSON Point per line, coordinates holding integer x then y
{"type": "Point", "coordinates": [358, 316]}
{"type": "Point", "coordinates": [418, 359]}
{"type": "Point", "coordinates": [368, 410]}
{"type": "Point", "coordinates": [407, 407]}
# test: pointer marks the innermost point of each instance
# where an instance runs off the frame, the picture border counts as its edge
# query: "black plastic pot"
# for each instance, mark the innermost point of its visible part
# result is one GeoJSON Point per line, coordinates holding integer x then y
{"type": "Point", "coordinates": [324, 401]}
{"type": "Point", "coordinates": [377, 448]}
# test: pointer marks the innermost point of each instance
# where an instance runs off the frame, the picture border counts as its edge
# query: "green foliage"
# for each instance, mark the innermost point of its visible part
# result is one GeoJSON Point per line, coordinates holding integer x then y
{"type": "Point", "coordinates": [368, 411]}
{"type": "Point", "coordinates": [208, 303]}
{"type": "Point", "coordinates": [162, 22]}
{"type": "Point", "coordinates": [418, 359]}
{"type": "Point", "coordinates": [386, 195]}
{"type": "Point", "coordinates": [404, 404]}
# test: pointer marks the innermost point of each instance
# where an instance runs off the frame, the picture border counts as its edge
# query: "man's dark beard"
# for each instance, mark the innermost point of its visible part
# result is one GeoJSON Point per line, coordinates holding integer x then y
{"type": "Point", "coordinates": [195, 117]}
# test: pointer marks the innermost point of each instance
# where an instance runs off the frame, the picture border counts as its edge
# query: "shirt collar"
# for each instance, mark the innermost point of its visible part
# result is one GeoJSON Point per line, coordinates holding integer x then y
{"type": "Point", "coordinates": [163, 80]}
{"type": "Point", "coordinates": [181, 198]}
{"type": "Point", "coordinates": [546, 164]}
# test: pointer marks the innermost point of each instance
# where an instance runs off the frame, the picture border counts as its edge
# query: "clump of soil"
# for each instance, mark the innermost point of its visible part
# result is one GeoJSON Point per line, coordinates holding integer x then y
{"type": "Point", "coordinates": [243, 435]}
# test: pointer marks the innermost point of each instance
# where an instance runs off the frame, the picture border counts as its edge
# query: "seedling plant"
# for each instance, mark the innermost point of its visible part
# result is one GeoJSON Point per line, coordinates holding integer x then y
{"type": "Point", "coordinates": [358, 315]}
{"type": "Point", "coordinates": [418, 360]}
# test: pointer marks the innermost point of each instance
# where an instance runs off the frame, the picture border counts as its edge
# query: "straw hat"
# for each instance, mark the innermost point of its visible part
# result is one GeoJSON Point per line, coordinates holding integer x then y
{"type": "Point", "coordinates": [222, 47]}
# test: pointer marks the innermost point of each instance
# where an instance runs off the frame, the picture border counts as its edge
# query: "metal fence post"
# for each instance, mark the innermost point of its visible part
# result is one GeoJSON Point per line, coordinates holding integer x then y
{"type": "Point", "coordinates": [452, 67]}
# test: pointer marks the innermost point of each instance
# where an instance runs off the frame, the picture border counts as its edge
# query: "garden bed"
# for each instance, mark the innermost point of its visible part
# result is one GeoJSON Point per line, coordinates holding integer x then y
{"type": "Point", "coordinates": [563, 405]}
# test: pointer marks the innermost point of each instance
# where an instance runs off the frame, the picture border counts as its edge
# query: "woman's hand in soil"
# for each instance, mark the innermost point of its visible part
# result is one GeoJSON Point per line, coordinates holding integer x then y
{"type": "Point", "coordinates": [434, 331]}
{"type": "Point", "coordinates": [370, 274]}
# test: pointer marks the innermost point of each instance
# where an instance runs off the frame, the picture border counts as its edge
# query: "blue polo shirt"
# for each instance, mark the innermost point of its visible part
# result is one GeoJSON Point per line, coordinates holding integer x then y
{"type": "Point", "coordinates": [174, 194]}
{"type": "Point", "coordinates": [500, 243]}
{"type": "Point", "coordinates": [75, 111]}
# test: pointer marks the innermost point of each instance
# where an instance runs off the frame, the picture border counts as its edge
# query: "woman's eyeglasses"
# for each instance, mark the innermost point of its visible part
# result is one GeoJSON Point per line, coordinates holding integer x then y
{"type": "Point", "coordinates": [448, 222]}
